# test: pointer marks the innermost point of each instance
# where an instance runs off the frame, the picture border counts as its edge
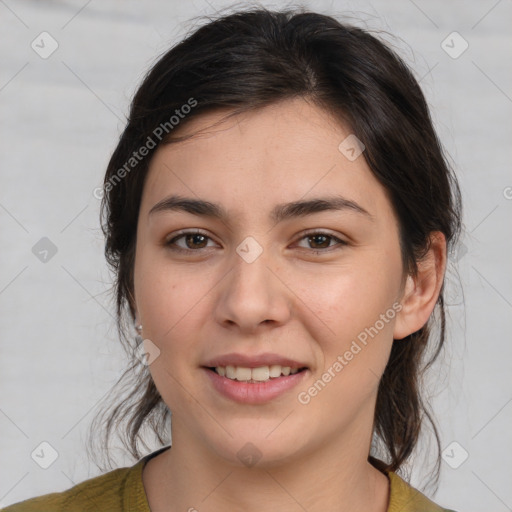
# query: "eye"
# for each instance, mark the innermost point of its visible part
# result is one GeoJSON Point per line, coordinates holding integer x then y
{"type": "Point", "coordinates": [322, 241]}
{"type": "Point", "coordinates": [194, 240]}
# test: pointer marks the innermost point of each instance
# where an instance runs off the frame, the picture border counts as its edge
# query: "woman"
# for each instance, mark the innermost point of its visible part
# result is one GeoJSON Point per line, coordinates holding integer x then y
{"type": "Point", "coordinates": [278, 213]}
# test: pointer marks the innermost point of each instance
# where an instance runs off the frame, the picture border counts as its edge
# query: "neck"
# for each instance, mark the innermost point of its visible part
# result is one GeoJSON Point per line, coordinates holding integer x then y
{"type": "Point", "coordinates": [187, 477]}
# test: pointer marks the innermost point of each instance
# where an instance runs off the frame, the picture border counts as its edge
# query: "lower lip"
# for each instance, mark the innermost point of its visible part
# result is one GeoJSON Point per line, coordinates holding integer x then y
{"type": "Point", "coordinates": [254, 393]}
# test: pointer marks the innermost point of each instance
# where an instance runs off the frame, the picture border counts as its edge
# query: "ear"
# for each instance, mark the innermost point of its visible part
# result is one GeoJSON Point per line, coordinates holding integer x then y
{"type": "Point", "coordinates": [422, 291]}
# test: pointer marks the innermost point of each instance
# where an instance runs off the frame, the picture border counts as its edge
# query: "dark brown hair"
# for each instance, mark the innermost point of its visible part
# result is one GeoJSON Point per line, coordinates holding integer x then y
{"type": "Point", "coordinates": [250, 59]}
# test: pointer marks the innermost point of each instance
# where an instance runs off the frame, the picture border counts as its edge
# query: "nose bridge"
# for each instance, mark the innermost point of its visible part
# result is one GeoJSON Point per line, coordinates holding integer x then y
{"type": "Point", "coordinates": [251, 293]}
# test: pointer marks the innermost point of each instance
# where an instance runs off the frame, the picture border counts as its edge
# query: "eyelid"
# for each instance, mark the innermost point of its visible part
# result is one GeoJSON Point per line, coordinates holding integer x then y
{"type": "Point", "coordinates": [319, 231]}
{"type": "Point", "coordinates": [168, 242]}
{"type": "Point", "coordinates": [184, 232]}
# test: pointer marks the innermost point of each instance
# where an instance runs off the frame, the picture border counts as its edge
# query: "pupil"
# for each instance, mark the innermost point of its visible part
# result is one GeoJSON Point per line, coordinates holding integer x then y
{"type": "Point", "coordinates": [194, 237]}
{"type": "Point", "coordinates": [316, 237]}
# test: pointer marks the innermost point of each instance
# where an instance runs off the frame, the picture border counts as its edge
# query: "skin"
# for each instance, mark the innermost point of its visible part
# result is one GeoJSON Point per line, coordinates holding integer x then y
{"type": "Point", "coordinates": [290, 301]}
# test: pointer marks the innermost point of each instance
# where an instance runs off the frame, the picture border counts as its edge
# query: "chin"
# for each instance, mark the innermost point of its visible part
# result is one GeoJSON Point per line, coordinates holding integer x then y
{"type": "Point", "coordinates": [262, 447]}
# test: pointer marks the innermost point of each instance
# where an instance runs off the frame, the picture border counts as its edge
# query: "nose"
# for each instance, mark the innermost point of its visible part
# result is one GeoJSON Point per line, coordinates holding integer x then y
{"type": "Point", "coordinates": [252, 295]}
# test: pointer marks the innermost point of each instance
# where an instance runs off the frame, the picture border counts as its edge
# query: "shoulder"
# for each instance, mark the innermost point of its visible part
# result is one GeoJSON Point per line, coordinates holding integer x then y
{"type": "Point", "coordinates": [405, 498]}
{"type": "Point", "coordinates": [111, 491]}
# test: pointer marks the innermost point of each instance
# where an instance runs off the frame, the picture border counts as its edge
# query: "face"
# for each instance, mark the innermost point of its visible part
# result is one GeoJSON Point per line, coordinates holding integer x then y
{"type": "Point", "coordinates": [300, 300]}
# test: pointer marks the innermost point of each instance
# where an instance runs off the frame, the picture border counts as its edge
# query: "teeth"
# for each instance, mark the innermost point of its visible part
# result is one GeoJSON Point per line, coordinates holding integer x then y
{"type": "Point", "coordinates": [260, 374]}
{"type": "Point", "coordinates": [242, 373]}
{"type": "Point", "coordinates": [230, 372]}
{"type": "Point", "coordinates": [275, 370]}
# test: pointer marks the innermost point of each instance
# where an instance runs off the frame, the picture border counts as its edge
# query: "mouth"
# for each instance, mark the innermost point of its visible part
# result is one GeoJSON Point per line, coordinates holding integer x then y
{"type": "Point", "coordinates": [255, 375]}
{"type": "Point", "coordinates": [256, 379]}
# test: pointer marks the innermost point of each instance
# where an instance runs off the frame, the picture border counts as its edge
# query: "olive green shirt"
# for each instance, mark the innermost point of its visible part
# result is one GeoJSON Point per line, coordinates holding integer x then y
{"type": "Point", "coordinates": [122, 490]}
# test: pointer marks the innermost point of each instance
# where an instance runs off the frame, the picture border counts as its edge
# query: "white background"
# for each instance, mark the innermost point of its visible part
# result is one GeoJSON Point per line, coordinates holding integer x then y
{"type": "Point", "coordinates": [60, 120]}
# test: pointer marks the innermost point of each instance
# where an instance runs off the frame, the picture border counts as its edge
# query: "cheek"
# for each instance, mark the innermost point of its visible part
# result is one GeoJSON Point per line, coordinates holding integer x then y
{"type": "Point", "coordinates": [170, 300]}
{"type": "Point", "coordinates": [348, 300]}
{"type": "Point", "coordinates": [173, 309]}
{"type": "Point", "coordinates": [167, 293]}
{"type": "Point", "coordinates": [358, 308]}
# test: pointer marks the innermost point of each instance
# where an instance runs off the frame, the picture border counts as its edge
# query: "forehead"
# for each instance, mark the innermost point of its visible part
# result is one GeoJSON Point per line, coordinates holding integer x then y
{"type": "Point", "coordinates": [283, 152]}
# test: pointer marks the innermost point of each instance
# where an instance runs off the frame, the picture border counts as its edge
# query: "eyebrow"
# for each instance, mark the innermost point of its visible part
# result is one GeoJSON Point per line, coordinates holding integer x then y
{"type": "Point", "coordinates": [278, 214]}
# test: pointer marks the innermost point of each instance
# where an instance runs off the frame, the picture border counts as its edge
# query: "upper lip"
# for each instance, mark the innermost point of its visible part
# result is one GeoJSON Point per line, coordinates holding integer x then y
{"type": "Point", "coordinates": [253, 361]}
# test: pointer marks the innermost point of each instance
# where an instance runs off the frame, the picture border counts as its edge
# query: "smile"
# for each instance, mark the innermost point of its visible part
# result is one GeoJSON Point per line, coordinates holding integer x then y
{"type": "Point", "coordinates": [253, 375]}
{"type": "Point", "coordinates": [254, 386]}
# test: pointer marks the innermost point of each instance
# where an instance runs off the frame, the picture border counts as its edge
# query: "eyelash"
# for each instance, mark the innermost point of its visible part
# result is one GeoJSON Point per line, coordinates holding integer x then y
{"type": "Point", "coordinates": [170, 243]}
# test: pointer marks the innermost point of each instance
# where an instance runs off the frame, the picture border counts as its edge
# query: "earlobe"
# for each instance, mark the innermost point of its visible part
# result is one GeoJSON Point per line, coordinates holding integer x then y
{"type": "Point", "coordinates": [421, 291]}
